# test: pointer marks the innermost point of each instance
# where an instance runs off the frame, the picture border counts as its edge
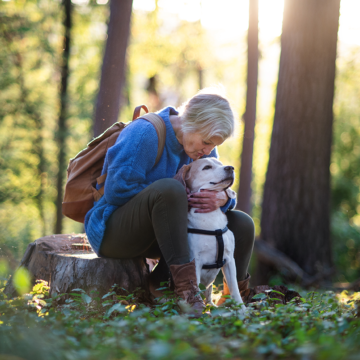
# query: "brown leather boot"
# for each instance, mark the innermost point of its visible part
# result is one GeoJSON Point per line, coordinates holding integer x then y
{"type": "Point", "coordinates": [243, 285]}
{"type": "Point", "coordinates": [186, 287]}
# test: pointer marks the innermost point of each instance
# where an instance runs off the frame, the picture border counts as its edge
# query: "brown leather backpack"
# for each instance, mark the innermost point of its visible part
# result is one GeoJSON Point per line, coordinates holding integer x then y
{"type": "Point", "coordinates": [85, 168]}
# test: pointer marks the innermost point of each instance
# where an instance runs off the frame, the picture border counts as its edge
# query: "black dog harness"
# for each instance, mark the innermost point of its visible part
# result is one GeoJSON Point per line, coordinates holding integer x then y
{"type": "Point", "coordinates": [219, 238]}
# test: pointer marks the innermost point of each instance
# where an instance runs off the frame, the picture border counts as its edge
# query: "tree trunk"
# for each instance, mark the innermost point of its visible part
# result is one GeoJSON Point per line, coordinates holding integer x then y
{"type": "Point", "coordinates": [62, 131]}
{"type": "Point", "coordinates": [244, 193]}
{"type": "Point", "coordinates": [113, 69]}
{"type": "Point", "coordinates": [200, 73]}
{"type": "Point", "coordinates": [295, 212]}
{"type": "Point", "coordinates": [154, 100]}
{"type": "Point", "coordinates": [66, 267]}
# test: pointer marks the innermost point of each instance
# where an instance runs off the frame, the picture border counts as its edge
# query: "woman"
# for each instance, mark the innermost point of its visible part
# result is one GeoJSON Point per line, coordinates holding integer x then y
{"type": "Point", "coordinates": [144, 211]}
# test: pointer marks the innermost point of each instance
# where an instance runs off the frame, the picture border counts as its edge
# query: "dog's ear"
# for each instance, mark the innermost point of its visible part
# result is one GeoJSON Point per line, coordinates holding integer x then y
{"type": "Point", "coordinates": [231, 193]}
{"type": "Point", "coordinates": [182, 175]}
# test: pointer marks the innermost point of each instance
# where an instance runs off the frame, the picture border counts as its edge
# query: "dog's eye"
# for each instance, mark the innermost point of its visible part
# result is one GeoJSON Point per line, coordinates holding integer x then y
{"type": "Point", "coordinates": [207, 167]}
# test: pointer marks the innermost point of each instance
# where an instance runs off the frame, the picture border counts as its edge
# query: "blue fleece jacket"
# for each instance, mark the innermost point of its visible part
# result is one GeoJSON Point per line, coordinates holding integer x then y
{"type": "Point", "coordinates": [129, 165]}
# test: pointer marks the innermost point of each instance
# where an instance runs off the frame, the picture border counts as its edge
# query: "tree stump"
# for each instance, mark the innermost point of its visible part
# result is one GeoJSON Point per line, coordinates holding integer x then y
{"type": "Point", "coordinates": [67, 262]}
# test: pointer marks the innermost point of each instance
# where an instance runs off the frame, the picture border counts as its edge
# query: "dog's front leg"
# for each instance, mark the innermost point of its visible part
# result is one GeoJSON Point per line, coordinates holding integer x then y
{"type": "Point", "coordinates": [198, 267]}
{"type": "Point", "coordinates": [208, 295]}
{"type": "Point", "coordinates": [229, 271]}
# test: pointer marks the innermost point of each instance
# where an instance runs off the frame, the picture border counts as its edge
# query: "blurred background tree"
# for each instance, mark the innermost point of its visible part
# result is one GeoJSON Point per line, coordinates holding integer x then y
{"type": "Point", "coordinates": [62, 129]}
{"type": "Point", "coordinates": [296, 205]}
{"type": "Point", "coordinates": [112, 80]}
{"type": "Point", "coordinates": [345, 170]}
{"type": "Point", "coordinates": [245, 190]}
{"type": "Point", "coordinates": [31, 36]}
{"type": "Point", "coordinates": [28, 90]}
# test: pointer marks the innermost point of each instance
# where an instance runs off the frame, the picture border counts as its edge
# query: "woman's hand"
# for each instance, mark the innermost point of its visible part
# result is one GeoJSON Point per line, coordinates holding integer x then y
{"type": "Point", "coordinates": [207, 200]}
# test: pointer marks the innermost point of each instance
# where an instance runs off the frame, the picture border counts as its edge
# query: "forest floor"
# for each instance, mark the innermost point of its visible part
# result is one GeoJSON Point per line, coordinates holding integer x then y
{"type": "Point", "coordinates": [319, 325]}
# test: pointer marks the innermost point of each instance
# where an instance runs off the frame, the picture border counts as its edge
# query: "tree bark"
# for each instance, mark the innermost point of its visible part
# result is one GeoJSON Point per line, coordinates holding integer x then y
{"type": "Point", "coordinates": [295, 212]}
{"type": "Point", "coordinates": [62, 131]}
{"type": "Point", "coordinates": [113, 69]}
{"type": "Point", "coordinates": [244, 192]}
{"type": "Point", "coordinates": [66, 267]}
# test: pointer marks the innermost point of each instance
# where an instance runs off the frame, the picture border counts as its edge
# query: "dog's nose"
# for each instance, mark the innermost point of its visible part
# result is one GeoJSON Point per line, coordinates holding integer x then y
{"type": "Point", "coordinates": [229, 168]}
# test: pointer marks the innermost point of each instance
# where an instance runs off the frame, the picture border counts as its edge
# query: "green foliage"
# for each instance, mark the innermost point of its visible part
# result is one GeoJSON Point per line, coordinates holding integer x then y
{"type": "Point", "coordinates": [31, 43]}
{"type": "Point", "coordinates": [346, 247]}
{"type": "Point", "coordinates": [118, 326]}
{"type": "Point", "coordinates": [27, 98]}
{"type": "Point", "coordinates": [345, 169]}
{"type": "Point", "coordinates": [22, 281]}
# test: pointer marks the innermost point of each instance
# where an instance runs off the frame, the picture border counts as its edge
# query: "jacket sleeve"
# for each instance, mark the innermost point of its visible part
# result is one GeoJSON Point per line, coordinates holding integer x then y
{"type": "Point", "coordinates": [129, 160]}
{"type": "Point", "coordinates": [231, 203]}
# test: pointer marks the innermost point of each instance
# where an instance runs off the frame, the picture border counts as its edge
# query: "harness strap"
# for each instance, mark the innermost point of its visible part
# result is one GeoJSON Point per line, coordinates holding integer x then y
{"type": "Point", "coordinates": [219, 238]}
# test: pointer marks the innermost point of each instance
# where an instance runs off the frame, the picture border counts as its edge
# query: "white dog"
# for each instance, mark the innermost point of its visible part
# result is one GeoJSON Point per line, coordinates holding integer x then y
{"type": "Point", "coordinates": [210, 174]}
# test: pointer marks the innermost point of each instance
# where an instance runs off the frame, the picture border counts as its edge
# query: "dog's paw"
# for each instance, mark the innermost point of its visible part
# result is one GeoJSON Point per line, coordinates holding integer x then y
{"type": "Point", "coordinates": [244, 310]}
{"type": "Point", "coordinates": [211, 303]}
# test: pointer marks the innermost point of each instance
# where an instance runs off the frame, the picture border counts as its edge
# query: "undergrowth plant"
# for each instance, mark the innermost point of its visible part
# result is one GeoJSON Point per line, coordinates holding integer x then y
{"type": "Point", "coordinates": [319, 325]}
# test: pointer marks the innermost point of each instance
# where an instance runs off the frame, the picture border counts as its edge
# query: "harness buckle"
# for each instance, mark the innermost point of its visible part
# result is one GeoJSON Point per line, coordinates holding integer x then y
{"type": "Point", "coordinates": [218, 232]}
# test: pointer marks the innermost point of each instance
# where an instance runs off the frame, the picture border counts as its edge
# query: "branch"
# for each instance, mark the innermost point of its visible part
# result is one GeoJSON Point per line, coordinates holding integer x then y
{"type": "Point", "coordinates": [355, 285]}
{"type": "Point", "coordinates": [269, 255]}
{"type": "Point", "coordinates": [319, 277]}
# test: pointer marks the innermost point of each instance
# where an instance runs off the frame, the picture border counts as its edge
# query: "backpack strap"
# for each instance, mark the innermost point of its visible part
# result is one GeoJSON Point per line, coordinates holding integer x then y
{"type": "Point", "coordinates": [158, 124]}
{"type": "Point", "coordinates": [138, 109]}
{"type": "Point", "coordinates": [160, 127]}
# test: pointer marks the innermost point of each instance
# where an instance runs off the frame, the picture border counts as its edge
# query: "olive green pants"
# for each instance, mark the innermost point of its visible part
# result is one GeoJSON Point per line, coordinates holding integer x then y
{"type": "Point", "coordinates": [153, 224]}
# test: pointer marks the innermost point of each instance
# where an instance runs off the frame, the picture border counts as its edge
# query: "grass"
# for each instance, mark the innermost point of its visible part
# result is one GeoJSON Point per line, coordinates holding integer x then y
{"type": "Point", "coordinates": [321, 325]}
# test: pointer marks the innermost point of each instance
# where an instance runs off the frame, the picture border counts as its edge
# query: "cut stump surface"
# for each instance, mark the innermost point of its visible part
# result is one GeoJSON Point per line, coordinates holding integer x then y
{"type": "Point", "coordinates": [66, 265]}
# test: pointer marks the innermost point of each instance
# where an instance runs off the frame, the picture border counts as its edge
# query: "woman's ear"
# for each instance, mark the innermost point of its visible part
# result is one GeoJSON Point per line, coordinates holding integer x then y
{"type": "Point", "coordinates": [230, 193]}
{"type": "Point", "coordinates": [183, 175]}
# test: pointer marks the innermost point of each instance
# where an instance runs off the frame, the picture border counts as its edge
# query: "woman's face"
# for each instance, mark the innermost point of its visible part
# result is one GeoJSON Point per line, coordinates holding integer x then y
{"type": "Point", "coordinates": [195, 146]}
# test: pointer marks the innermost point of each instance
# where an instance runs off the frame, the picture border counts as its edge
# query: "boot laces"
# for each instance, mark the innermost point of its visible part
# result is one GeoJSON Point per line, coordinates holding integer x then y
{"type": "Point", "coordinates": [194, 296]}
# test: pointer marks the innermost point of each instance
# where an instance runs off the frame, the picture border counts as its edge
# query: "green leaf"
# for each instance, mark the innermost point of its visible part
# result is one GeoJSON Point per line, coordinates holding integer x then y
{"type": "Point", "coordinates": [108, 294]}
{"type": "Point", "coordinates": [202, 287]}
{"type": "Point", "coordinates": [86, 298]}
{"type": "Point", "coordinates": [275, 299]}
{"type": "Point", "coordinates": [21, 281]}
{"type": "Point", "coordinates": [116, 307]}
{"type": "Point", "coordinates": [73, 294]}
{"type": "Point", "coordinates": [329, 313]}
{"type": "Point", "coordinates": [277, 292]}
{"type": "Point", "coordinates": [66, 312]}
{"type": "Point", "coordinates": [259, 296]}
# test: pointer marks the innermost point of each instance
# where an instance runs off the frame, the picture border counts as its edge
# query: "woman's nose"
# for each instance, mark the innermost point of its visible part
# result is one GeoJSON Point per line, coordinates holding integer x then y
{"type": "Point", "coordinates": [208, 149]}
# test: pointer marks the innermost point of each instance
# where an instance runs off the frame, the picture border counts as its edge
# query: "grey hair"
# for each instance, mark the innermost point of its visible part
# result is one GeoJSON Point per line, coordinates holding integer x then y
{"type": "Point", "coordinates": [208, 113]}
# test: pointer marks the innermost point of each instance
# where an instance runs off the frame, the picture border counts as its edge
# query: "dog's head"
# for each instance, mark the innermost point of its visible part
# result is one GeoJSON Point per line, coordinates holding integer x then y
{"type": "Point", "coordinates": [208, 173]}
